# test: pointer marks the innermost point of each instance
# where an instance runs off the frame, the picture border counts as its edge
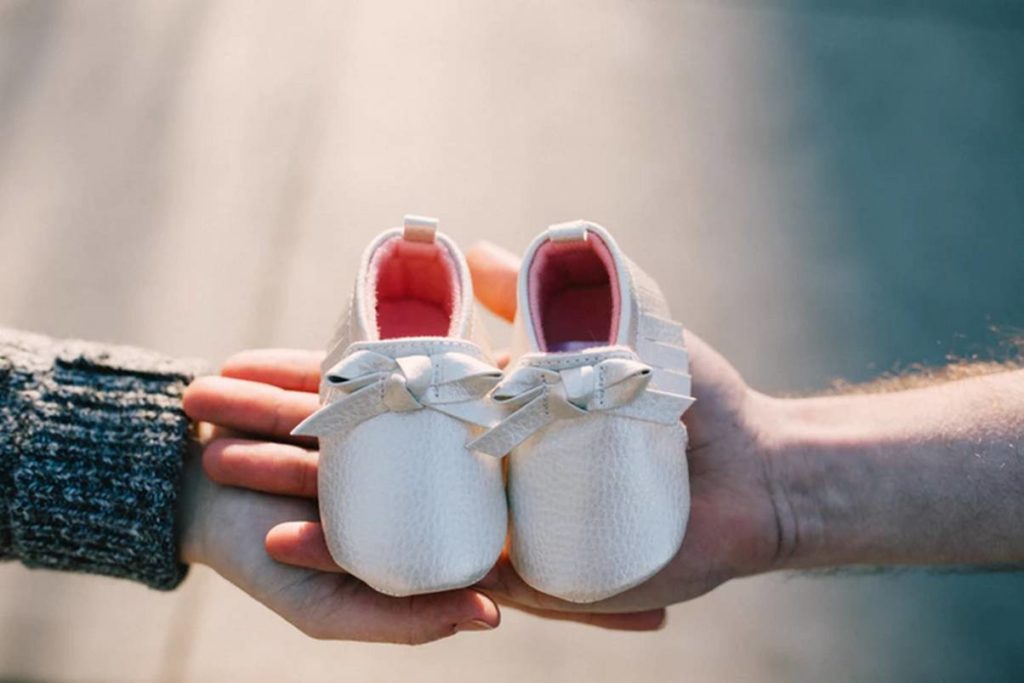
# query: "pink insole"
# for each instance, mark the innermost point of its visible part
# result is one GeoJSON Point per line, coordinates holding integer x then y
{"type": "Point", "coordinates": [411, 318]}
{"type": "Point", "coordinates": [574, 294]}
{"type": "Point", "coordinates": [577, 314]}
{"type": "Point", "coordinates": [417, 289]}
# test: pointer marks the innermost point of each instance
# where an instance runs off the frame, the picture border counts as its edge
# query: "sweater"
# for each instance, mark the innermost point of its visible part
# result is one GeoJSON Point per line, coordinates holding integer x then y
{"type": "Point", "coordinates": [91, 446]}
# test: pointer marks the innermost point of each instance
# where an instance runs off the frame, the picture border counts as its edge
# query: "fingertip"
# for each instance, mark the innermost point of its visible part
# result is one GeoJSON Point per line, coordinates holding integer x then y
{"type": "Point", "coordinates": [196, 399]}
{"type": "Point", "coordinates": [479, 614]}
{"type": "Point", "coordinates": [487, 610]}
{"type": "Point", "coordinates": [301, 544]}
{"type": "Point", "coordinates": [286, 540]}
{"type": "Point", "coordinates": [495, 271]}
{"type": "Point", "coordinates": [278, 541]}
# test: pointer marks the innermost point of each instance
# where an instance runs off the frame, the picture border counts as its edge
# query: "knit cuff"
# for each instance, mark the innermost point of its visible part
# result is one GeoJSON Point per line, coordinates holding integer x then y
{"type": "Point", "coordinates": [99, 439]}
{"type": "Point", "coordinates": [9, 411]}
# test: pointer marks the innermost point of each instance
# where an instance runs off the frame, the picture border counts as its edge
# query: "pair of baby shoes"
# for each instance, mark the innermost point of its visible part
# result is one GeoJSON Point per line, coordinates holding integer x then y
{"type": "Point", "coordinates": [416, 418]}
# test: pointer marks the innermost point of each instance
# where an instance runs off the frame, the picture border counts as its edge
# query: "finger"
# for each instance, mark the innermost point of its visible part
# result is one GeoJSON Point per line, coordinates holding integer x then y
{"type": "Point", "coordinates": [649, 620]}
{"type": "Point", "coordinates": [495, 272]}
{"type": "Point", "coordinates": [301, 544]}
{"type": "Point", "coordinates": [291, 369]}
{"type": "Point", "coordinates": [251, 407]}
{"type": "Point", "coordinates": [502, 358]}
{"type": "Point", "coordinates": [416, 619]}
{"type": "Point", "coordinates": [351, 610]}
{"type": "Point", "coordinates": [714, 384]}
{"type": "Point", "coordinates": [505, 584]}
{"type": "Point", "coordinates": [207, 432]}
{"type": "Point", "coordinates": [267, 466]}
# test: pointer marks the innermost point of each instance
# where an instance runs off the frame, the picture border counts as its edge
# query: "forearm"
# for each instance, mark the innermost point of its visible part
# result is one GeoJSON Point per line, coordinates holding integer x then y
{"type": "Point", "coordinates": [929, 476]}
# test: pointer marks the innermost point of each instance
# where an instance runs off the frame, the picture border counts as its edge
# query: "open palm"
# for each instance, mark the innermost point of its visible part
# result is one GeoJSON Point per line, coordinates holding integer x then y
{"type": "Point", "coordinates": [225, 528]}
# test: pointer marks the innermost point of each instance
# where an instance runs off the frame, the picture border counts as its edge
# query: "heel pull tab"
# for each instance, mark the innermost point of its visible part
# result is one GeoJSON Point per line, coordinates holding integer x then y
{"type": "Point", "coordinates": [573, 231]}
{"type": "Point", "coordinates": [419, 228]}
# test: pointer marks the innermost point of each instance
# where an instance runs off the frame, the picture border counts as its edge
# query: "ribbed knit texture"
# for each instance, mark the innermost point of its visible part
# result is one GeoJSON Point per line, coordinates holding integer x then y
{"type": "Point", "coordinates": [91, 445]}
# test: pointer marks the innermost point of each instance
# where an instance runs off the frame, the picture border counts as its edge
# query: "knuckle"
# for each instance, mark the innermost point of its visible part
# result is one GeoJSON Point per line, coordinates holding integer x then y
{"type": "Point", "coordinates": [306, 478]}
{"type": "Point", "coordinates": [278, 418]}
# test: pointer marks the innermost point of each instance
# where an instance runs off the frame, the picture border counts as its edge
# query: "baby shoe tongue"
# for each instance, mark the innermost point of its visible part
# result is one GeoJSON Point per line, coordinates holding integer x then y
{"type": "Point", "coordinates": [574, 345]}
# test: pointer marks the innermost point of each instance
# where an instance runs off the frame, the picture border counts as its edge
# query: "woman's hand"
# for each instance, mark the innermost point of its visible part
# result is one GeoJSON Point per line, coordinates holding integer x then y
{"type": "Point", "coordinates": [224, 527]}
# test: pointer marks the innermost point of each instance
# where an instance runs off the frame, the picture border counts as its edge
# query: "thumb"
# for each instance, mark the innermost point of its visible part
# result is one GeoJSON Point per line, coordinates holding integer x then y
{"type": "Point", "coordinates": [495, 271]}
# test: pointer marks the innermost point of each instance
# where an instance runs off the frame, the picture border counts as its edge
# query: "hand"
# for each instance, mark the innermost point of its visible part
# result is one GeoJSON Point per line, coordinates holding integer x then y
{"type": "Point", "coordinates": [224, 527]}
{"type": "Point", "coordinates": [931, 475]}
{"type": "Point", "coordinates": [733, 528]}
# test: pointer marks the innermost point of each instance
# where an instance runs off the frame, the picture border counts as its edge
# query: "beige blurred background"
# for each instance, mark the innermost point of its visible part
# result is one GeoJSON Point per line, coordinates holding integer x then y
{"type": "Point", "coordinates": [825, 189]}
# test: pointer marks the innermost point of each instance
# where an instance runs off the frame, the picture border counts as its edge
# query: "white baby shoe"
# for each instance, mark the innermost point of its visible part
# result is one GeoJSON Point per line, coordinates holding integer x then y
{"type": "Point", "coordinates": [597, 480]}
{"type": "Point", "coordinates": [405, 505]}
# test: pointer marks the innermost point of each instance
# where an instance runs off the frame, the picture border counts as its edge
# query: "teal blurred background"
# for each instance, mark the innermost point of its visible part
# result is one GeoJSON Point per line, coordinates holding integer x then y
{"type": "Point", "coordinates": [824, 189]}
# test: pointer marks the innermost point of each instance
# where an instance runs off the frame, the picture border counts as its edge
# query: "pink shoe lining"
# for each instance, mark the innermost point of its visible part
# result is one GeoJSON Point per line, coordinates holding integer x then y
{"type": "Point", "coordinates": [417, 289]}
{"type": "Point", "coordinates": [574, 294]}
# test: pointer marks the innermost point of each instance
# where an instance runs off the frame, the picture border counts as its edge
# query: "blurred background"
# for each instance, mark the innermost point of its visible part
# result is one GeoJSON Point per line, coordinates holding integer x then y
{"type": "Point", "coordinates": [824, 189]}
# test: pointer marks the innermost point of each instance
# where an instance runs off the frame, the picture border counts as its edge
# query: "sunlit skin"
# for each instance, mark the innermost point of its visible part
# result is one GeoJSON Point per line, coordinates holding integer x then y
{"type": "Point", "coordinates": [775, 484]}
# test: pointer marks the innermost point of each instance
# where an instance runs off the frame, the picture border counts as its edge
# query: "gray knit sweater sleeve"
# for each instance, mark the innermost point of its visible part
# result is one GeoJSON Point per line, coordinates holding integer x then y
{"type": "Point", "coordinates": [91, 444]}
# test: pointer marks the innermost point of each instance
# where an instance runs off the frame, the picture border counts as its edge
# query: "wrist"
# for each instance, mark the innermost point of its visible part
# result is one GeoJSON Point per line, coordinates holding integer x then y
{"type": "Point", "coordinates": [773, 537]}
{"type": "Point", "coordinates": [190, 503]}
{"type": "Point", "coordinates": [813, 478]}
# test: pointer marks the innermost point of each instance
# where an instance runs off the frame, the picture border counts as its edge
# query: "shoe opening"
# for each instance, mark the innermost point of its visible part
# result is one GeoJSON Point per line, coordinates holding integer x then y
{"type": "Point", "coordinates": [417, 289]}
{"type": "Point", "coordinates": [574, 295]}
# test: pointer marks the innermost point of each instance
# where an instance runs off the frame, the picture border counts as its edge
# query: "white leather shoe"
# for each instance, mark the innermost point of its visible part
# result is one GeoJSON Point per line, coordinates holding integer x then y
{"type": "Point", "coordinates": [597, 480]}
{"type": "Point", "coordinates": [405, 505]}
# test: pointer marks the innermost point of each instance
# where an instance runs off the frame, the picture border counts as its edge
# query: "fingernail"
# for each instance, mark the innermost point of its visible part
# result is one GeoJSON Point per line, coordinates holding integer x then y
{"type": "Point", "coordinates": [474, 625]}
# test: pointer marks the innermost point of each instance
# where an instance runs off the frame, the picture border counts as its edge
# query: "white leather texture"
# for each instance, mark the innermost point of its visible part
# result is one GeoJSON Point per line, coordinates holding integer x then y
{"type": "Point", "coordinates": [406, 506]}
{"type": "Point", "coordinates": [599, 501]}
{"type": "Point", "coordinates": [599, 505]}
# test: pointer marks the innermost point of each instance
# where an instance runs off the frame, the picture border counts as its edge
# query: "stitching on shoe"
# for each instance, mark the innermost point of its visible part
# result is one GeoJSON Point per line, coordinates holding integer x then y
{"type": "Point", "coordinates": [547, 362]}
{"type": "Point", "coordinates": [437, 377]}
{"type": "Point", "coordinates": [418, 346]}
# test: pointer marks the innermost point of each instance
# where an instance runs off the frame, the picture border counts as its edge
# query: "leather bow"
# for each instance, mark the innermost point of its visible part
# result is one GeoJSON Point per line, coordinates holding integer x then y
{"type": "Point", "coordinates": [365, 384]}
{"type": "Point", "coordinates": [538, 396]}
